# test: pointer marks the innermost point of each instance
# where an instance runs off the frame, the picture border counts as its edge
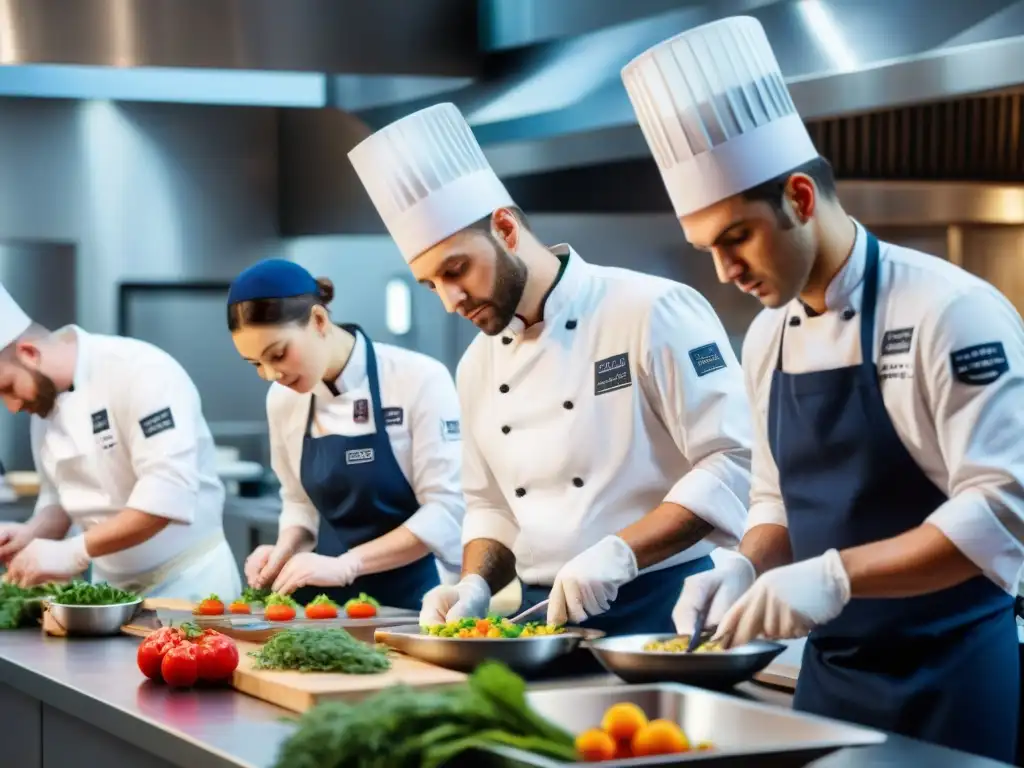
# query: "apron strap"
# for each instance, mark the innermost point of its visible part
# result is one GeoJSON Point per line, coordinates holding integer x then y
{"type": "Point", "coordinates": [371, 375]}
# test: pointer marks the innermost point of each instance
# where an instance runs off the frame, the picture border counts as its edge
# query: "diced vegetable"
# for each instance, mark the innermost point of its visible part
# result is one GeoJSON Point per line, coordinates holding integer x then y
{"type": "Point", "coordinates": [494, 627]}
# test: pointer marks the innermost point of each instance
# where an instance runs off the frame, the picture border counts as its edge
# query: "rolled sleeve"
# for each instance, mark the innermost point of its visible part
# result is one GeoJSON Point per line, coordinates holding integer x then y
{"type": "Point", "coordinates": [163, 442]}
{"type": "Point", "coordinates": [696, 380]}
{"type": "Point", "coordinates": [296, 508]}
{"type": "Point", "coordinates": [488, 515]}
{"type": "Point", "coordinates": [437, 466]}
{"type": "Point", "coordinates": [973, 354]}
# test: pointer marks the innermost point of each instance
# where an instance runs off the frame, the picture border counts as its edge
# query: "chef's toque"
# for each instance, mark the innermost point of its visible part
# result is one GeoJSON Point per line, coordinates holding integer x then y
{"type": "Point", "coordinates": [716, 112]}
{"type": "Point", "coordinates": [427, 177]}
{"type": "Point", "coordinates": [13, 320]}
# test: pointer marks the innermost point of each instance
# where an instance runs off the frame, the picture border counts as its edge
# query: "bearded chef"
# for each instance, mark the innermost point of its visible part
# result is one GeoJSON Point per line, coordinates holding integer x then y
{"type": "Point", "coordinates": [605, 446]}
{"type": "Point", "coordinates": [122, 450]}
{"type": "Point", "coordinates": [887, 388]}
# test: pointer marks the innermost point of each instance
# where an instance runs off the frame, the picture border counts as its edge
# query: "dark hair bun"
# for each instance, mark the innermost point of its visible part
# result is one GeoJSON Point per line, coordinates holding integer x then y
{"type": "Point", "coordinates": [325, 290]}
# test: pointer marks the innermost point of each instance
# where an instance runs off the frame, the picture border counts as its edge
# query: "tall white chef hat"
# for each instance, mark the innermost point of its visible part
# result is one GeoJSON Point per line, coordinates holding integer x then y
{"type": "Point", "coordinates": [716, 112]}
{"type": "Point", "coordinates": [13, 320]}
{"type": "Point", "coordinates": [427, 177]}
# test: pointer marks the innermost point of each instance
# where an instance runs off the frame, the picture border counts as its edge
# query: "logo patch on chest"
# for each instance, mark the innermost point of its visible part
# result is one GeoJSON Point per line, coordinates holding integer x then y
{"type": "Point", "coordinates": [361, 411]}
{"type": "Point", "coordinates": [158, 422]}
{"type": "Point", "coordinates": [612, 373]}
{"type": "Point", "coordinates": [393, 417]}
{"type": "Point", "coordinates": [359, 456]}
{"type": "Point", "coordinates": [706, 359]}
{"type": "Point", "coordinates": [100, 422]}
{"type": "Point", "coordinates": [897, 341]}
{"type": "Point", "coordinates": [980, 364]}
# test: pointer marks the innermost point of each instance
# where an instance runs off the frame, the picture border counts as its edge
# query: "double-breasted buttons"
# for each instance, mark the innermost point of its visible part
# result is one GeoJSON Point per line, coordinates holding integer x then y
{"type": "Point", "coordinates": [503, 388]}
{"type": "Point", "coordinates": [520, 492]}
{"type": "Point", "coordinates": [849, 313]}
{"type": "Point", "coordinates": [567, 405]}
{"type": "Point", "coordinates": [506, 429]}
{"type": "Point", "coordinates": [578, 482]}
{"type": "Point", "coordinates": [794, 320]}
{"type": "Point", "coordinates": [506, 339]}
{"type": "Point", "coordinates": [570, 325]}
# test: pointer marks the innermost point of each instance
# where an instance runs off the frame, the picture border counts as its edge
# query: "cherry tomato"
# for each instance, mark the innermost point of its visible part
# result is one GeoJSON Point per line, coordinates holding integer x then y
{"type": "Point", "coordinates": [216, 656]}
{"type": "Point", "coordinates": [360, 610]}
{"type": "Point", "coordinates": [239, 607]}
{"type": "Point", "coordinates": [279, 612]}
{"type": "Point", "coordinates": [180, 667]}
{"type": "Point", "coordinates": [210, 606]}
{"type": "Point", "coordinates": [322, 607]}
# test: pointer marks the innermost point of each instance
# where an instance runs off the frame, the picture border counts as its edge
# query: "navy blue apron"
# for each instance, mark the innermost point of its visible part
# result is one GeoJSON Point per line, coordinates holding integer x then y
{"type": "Point", "coordinates": [643, 606]}
{"type": "Point", "coordinates": [361, 494]}
{"type": "Point", "coordinates": [942, 667]}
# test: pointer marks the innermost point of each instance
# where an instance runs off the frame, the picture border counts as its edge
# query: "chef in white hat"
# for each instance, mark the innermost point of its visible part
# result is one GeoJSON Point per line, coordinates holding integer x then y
{"type": "Point", "coordinates": [123, 451]}
{"type": "Point", "coordinates": [887, 388]}
{"type": "Point", "coordinates": [605, 440]}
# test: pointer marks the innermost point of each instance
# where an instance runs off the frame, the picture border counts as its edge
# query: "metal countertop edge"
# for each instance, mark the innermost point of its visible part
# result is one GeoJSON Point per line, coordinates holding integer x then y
{"type": "Point", "coordinates": [145, 733]}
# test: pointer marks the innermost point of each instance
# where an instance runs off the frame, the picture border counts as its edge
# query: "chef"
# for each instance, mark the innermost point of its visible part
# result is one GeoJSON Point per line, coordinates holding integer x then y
{"type": "Point", "coordinates": [887, 387]}
{"type": "Point", "coordinates": [605, 450]}
{"type": "Point", "coordinates": [123, 452]}
{"type": "Point", "coordinates": [365, 440]}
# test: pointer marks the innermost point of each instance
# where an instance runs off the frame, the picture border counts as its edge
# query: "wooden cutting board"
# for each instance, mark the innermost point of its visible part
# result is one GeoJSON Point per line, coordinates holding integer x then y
{"type": "Point", "coordinates": [299, 691]}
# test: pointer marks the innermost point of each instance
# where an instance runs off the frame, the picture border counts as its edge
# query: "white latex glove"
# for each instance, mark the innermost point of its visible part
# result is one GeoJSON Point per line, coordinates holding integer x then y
{"type": "Point", "coordinates": [722, 586]}
{"type": "Point", "coordinates": [788, 602]}
{"type": "Point", "coordinates": [470, 597]}
{"type": "Point", "coordinates": [264, 564]}
{"type": "Point", "coordinates": [14, 537]}
{"type": "Point", "coordinates": [311, 569]}
{"type": "Point", "coordinates": [589, 583]}
{"type": "Point", "coordinates": [44, 560]}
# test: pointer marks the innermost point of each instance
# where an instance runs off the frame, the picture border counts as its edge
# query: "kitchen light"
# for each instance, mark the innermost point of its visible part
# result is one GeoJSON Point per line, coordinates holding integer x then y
{"type": "Point", "coordinates": [398, 306]}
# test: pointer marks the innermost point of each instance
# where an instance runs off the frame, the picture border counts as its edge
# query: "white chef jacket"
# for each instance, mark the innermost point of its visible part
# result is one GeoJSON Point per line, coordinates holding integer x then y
{"type": "Point", "coordinates": [625, 396]}
{"type": "Point", "coordinates": [421, 409]}
{"type": "Point", "coordinates": [940, 335]}
{"type": "Point", "coordinates": [131, 434]}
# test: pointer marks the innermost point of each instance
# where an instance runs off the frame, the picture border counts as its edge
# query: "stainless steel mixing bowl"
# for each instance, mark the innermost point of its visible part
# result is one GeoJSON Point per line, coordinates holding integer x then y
{"type": "Point", "coordinates": [94, 619]}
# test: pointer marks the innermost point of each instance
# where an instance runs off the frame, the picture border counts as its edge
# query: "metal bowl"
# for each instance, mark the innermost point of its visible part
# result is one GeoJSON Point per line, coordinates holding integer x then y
{"type": "Point", "coordinates": [94, 619]}
{"type": "Point", "coordinates": [625, 658]}
{"type": "Point", "coordinates": [464, 654]}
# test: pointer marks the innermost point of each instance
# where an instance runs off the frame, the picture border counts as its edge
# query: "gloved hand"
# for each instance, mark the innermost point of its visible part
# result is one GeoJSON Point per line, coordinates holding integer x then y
{"type": "Point", "coordinates": [470, 597]}
{"type": "Point", "coordinates": [44, 560]}
{"type": "Point", "coordinates": [589, 583]}
{"type": "Point", "coordinates": [722, 586]}
{"type": "Point", "coordinates": [264, 564]}
{"type": "Point", "coordinates": [14, 537]}
{"type": "Point", "coordinates": [311, 569]}
{"type": "Point", "coordinates": [788, 602]}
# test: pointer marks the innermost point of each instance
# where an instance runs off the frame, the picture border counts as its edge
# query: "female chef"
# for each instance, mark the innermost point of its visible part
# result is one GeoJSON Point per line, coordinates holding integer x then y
{"type": "Point", "coordinates": [365, 443]}
{"type": "Point", "coordinates": [887, 503]}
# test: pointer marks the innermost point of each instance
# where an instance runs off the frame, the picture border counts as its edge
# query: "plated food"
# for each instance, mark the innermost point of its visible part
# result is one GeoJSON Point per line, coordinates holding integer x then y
{"type": "Point", "coordinates": [321, 650]}
{"type": "Point", "coordinates": [626, 732]}
{"type": "Point", "coordinates": [362, 607]}
{"type": "Point", "coordinates": [680, 644]}
{"type": "Point", "coordinates": [492, 627]}
{"type": "Point", "coordinates": [280, 608]}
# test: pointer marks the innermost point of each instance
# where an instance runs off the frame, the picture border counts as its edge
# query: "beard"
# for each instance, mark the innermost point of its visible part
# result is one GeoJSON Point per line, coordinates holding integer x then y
{"type": "Point", "coordinates": [497, 311]}
{"type": "Point", "coordinates": [45, 399]}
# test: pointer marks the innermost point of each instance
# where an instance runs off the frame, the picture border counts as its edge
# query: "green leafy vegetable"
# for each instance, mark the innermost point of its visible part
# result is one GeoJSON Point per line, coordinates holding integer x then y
{"type": "Point", "coordinates": [321, 650]}
{"type": "Point", "coordinates": [277, 599]}
{"type": "Point", "coordinates": [363, 598]}
{"type": "Point", "coordinates": [20, 606]}
{"type": "Point", "coordinates": [84, 593]}
{"type": "Point", "coordinates": [252, 595]}
{"type": "Point", "coordinates": [405, 728]}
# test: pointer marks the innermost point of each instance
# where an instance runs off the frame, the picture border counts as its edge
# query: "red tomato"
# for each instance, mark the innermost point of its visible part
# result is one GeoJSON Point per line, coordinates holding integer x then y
{"type": "Point", "coordinates": [180, 667]}
{"type": "Point", "coordinates": [321, 611]}
{"type": "Point", "coordinates": [211, 606]}
{"type": "Point", "coordinates": [216, 656]}
{"type": "Point", "coordinates": [278, 612]}
{"type": "Point", "coordinates": [360, 610]}
{"type": "Point", "coordinates": [239, 607]}
{"type": "Point", "coordinates": [152, 650]}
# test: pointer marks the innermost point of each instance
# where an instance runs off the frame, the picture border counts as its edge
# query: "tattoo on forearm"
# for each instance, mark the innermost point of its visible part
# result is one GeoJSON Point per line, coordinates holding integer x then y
{"type": "Point", "coordinates": [491, 560]}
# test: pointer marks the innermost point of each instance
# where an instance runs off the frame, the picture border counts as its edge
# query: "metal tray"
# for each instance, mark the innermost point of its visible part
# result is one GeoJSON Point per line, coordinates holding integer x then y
{"type": "Point", "coordinates": [625, 658]}
{"type": "Point", "coordinates": [254, 628]}
{"type": "Point", "coordinates": [524, 654]}
{"type": "Point", "coordinates": [743, 733]}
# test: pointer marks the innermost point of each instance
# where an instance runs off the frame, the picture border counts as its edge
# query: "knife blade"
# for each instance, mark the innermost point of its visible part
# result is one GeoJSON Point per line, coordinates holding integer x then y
{"type": "Point", "coordinates": [698, 628]}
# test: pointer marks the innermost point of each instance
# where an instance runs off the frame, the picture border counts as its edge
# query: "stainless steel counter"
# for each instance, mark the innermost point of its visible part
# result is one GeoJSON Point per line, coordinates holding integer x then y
{"type": "Point", "coordinates": [84, 701]}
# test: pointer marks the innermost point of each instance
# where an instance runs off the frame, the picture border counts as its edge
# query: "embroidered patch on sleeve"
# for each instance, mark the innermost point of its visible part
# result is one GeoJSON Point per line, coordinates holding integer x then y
{"type": "Point", "coordinates": [707, 359]}
{"type": "Point", "coordinates": [979, 365]}
{"type": "Point", "coordinates": [451, 430]}
{"type": "Point", "coordinates": [158, 422]}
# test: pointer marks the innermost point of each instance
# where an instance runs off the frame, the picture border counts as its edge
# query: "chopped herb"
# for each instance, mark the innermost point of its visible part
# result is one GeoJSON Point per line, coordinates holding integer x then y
{"type": "Point", "coordinates": [321, 650]}
{"type": "Point", "coordinates": [84, 593]}
{"type": "Point", "coordinates": [405, 728]}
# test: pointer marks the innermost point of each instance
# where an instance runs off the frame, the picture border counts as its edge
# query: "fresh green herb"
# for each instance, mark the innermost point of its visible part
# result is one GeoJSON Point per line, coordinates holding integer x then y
{"type": "Point", "coordinates": [323, 600]}
{"type": "Point", "coordinates": [404, 728]}
{"type": "Point", "coordinates": [252, 595]}
{"type": "Point", "coordinates": [84, 593]}
{"type": "Point", "coordinates": [277, 599]}
{"type": "Point", "coordinates": [362, 599]}
{"type": "Point", "coordinates": [20, 606]}
{"type": "Point", "coordinates": [321, 650]}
